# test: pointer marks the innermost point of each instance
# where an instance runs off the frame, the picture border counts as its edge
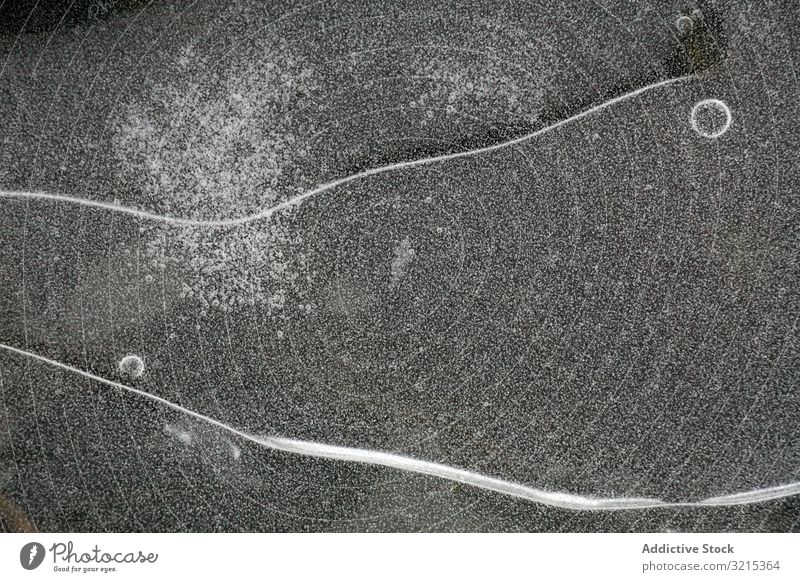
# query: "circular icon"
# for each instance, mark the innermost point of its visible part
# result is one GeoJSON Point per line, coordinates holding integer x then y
{"type": "Point", "coordinates": [31, 555]}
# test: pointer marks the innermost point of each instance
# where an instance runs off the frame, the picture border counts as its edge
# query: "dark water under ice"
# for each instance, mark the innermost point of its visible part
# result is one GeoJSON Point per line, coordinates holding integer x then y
{"type": "Point", "coordinates": [608, 308]}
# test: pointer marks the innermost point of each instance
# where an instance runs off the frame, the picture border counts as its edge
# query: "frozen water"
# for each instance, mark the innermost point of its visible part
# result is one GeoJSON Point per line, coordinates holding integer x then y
{"type": "Point", "coordinates": [396, 268]}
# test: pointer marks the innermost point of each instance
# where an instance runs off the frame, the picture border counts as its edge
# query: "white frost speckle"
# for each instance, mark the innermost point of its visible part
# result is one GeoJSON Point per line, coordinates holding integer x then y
{"type": "Point", "coordinates": [403, 255]}
{"type": "Point", "coordinates": [181, 434]}
{"type": "Point", "coordinates": [219, 142]}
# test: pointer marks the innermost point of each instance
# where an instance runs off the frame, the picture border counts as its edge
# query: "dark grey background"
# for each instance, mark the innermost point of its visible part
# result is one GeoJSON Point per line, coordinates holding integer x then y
{"type": "Point", "coordinates": [609, 309]}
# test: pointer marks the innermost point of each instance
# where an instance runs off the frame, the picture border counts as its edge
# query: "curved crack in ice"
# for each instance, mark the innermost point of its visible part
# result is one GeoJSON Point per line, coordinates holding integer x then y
{"type": "Point", "coordinates": [300, 198]}
{"type": "Point", "coordinates": [395, 461]}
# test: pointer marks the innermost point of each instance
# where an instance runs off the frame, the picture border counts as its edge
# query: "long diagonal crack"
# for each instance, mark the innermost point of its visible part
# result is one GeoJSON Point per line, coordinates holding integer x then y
{"type": "Point", "coordinates": [395, 461]}
{"type": "Point", "coordinates": [300, 198]}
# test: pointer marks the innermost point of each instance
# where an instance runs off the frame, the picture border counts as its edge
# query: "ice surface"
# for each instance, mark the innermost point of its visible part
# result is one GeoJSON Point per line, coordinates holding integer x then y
{"type": "Point", "coordinates": [555, 279]}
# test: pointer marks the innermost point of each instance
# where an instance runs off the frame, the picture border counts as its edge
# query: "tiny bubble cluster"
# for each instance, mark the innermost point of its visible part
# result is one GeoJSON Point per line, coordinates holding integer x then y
{"type": "Point", "coordinates": [131, 366]}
